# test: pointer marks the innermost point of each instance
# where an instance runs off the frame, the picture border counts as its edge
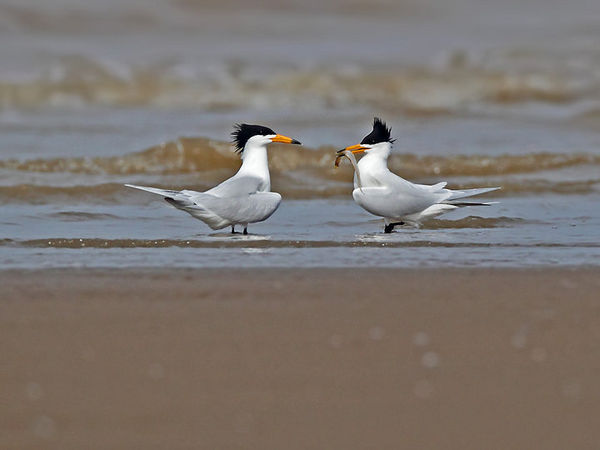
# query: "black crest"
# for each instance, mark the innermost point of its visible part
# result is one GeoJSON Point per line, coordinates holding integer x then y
{"type": "Point", "coordinates": [381, 133]}
{"type": "Point", "coordinates": [242, 132]}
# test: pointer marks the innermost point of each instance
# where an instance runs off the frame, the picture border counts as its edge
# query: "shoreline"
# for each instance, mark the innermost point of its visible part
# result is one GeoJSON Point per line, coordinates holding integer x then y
{"type": "Point", "coordinates": [300, 358]}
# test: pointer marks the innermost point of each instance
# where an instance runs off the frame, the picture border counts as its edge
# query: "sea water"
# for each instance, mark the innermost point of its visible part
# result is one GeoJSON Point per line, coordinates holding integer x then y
{"type": "Point", "coordinates": [95, 94]}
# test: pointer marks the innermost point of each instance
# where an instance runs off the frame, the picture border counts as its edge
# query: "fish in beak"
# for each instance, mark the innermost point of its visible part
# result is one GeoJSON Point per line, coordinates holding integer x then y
{"type": "Point", "coordinates": [358, 148]}
{"type": "Point", "coordinates": [345, 153]}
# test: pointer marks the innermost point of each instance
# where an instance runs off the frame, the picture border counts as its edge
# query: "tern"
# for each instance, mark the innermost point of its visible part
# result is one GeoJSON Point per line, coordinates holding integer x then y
{"type": "Point", "coordinates": [385, 194]}
{"type": "Point", "coordinates": [242, 199]}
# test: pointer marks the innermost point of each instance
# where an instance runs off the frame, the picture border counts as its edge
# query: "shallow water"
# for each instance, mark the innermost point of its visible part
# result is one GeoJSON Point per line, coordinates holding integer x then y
{"type": "Point", "coordinates": [96, 94]}
{"type": "Point", "coordinates": [519, 232]}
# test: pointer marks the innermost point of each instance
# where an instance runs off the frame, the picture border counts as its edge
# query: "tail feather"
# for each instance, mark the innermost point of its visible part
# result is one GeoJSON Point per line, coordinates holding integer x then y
{"type": "Point", "coordinates": [455, 195]}
{"type": "Point", "coordinates": [162, 192]}
{"type": "Point", "coordinates": [175, 198]}
{"type": "Point", "coordinates": [471, 203]}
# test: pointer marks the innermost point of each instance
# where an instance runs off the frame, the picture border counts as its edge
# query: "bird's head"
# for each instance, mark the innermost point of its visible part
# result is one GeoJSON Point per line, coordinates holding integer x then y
{"type": "Point", "coordinates": [244, 134]}
{"type": "Point", "coordinates": [378, 141]}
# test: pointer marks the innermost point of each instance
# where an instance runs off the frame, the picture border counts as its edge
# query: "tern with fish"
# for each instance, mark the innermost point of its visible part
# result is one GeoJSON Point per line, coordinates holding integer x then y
{"type": "Point", "coordinates": [385, 194]}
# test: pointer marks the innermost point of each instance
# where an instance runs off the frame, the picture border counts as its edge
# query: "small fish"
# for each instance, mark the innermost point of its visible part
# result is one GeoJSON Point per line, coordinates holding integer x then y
{"type": "Point", "coordinates": [348, 154]}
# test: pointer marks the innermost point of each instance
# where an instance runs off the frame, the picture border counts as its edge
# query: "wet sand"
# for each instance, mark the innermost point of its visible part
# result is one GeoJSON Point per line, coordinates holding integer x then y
{"type": "Point", "coordinates": [299, 359]}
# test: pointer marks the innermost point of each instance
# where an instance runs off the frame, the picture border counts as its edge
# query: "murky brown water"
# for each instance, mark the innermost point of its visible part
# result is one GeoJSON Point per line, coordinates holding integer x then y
{"type": "Point", "coordinates": [94, 94]}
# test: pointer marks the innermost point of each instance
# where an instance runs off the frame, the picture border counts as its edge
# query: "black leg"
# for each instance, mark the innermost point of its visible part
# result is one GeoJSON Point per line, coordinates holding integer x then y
{"type": "Point", "coordinates": [390, 227]}
{"type": "Point", "coordinates": [232, 228]}
{"type": "Point", "coordinates": [245, 230]}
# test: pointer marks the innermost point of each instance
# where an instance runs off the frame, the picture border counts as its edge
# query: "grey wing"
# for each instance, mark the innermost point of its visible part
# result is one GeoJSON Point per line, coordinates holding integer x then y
{"type": "Point", "coordinates": [238, 186]}
{"type": "Point", "coordinates": [219, 212]}
{"type": "Point", "coordinates": [397, 201]}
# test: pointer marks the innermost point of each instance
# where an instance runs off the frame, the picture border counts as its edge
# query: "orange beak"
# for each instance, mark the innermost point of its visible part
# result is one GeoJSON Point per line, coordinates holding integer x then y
{"type": "Point", "coordinates": [354, 149]}
{"type": "Point", "coordinates": [285, 140]}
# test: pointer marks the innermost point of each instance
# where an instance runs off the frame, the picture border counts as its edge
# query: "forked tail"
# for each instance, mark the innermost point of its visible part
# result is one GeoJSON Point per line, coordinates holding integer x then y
{"type": "Point", "coordinates": [162, 192]}
{"type": "Point", "coordinates": [465, 193]}
{"type": "Point", "coordinates": [175, 198]}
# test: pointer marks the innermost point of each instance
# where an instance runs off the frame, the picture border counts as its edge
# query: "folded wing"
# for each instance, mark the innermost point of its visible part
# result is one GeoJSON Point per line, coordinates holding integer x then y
{"type": "Point", "coordinates": [220, 212]}
{"type": "Point", "coordinates": [235, 203]}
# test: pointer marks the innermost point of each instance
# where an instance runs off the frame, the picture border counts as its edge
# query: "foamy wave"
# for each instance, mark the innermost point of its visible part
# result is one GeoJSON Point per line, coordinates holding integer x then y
{"type": "Point", "coordinates": [302, 173]}
{"type": "Point", "coordinates": [288, 186]}
{"type": "Point", "coordinates": [483, 165]}
{"type": "Point", "coordinates": [180, 156]}
{"type": "Point", "coordinates": [197, 155]}
{"type": "Point", "coordinates": [413, 90]}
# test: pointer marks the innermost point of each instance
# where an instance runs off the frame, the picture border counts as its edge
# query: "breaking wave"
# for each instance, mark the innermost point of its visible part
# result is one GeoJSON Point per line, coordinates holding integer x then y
{"type": "Point", "coordinates": [200, 163]}
{"type": "Point", "coordinates": [288, 186]}
{"type": "Point", "coordinates": [197, 155]}
{"type": "Point", "coordinates": [422, 90]}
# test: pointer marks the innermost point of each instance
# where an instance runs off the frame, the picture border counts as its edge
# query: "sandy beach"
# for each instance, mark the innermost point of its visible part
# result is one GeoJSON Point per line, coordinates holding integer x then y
{"type": "Point", "coordinates": [299, 359]}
